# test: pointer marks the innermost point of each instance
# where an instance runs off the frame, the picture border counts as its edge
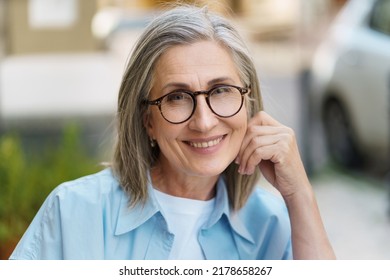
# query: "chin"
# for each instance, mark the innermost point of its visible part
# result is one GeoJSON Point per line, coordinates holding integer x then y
{"type": "Point", "coordinates": [210, 171]}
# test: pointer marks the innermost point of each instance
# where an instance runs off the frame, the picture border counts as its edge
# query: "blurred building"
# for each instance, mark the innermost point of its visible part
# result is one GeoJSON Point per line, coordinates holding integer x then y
{"type": "Point", "coordinates": [46, 26]}
{"type": "Point", "coordinates": [151, 4]}
{"type": "Point", "coordinates": [2, 29]}
{"type": "Point", "coordinates": [38, 26]}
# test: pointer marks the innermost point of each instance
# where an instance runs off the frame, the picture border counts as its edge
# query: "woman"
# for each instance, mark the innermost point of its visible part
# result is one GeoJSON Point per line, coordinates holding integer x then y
{"type": "Point", "coordinates": [192, 141]}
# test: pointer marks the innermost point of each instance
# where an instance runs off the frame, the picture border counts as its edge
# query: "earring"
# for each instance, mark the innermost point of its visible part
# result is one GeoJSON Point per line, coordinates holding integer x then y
{"type": "Point", "coordinates": [153, 143]}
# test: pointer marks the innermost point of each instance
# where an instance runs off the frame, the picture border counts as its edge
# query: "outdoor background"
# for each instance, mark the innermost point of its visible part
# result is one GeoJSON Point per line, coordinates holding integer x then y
{"type": "Point", "coordinates": [61, 64]}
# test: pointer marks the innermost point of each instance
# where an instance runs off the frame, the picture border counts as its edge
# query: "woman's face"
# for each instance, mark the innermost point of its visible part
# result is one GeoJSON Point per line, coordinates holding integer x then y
{"type": "Point", "coordinates": [205, 144]}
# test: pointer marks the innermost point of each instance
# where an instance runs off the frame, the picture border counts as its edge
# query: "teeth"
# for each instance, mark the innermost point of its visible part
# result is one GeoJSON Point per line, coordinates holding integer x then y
{"type": "Point", "coordinates": [206, 144]}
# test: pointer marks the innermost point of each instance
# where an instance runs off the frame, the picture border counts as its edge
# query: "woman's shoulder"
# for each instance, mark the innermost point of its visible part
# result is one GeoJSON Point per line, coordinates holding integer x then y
{"type": "Point", "coordinates": [81, 206]}
{"type": "Point", "coordinates": [93, 188]}
{"type": "Point", "coordinates": [266, 202]}
{"type": "Point", "coordinates": [266, 219]}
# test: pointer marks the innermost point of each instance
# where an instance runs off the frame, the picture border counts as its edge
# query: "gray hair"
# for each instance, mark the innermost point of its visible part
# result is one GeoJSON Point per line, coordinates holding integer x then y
{"type": "Point", "coordinates": [133, 155]}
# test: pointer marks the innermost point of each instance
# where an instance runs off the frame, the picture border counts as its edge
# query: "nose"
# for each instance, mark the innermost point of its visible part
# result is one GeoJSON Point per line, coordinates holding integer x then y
{"type": "Point", "coordinates": [203, 118]}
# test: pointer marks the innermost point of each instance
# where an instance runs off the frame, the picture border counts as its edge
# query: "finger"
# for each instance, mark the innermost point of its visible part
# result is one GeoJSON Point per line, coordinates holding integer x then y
{"type": "Point", "coordinates": [252, 134]}
{"type": "Point", "coordinates": [251, 155]}
{"type": "Point", "coordinates": [261, 119]}
{"type": "Point", "coordinates": [278, 153]}
{"type": "Point", "coordinates": [262, 154]}
{"type": "Point", "coordinates": [282, 143]}
{"type": "Point", "coordinates": [265, 119]}
{"type": "Point", "coordinates": [255, 158]}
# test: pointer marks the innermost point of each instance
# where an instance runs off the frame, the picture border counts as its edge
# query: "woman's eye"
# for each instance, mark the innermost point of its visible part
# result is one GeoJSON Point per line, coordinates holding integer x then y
{"type": "Point", "coordinates": [177, 96]}
{"type": "Point", "coordinates": [222, 90]}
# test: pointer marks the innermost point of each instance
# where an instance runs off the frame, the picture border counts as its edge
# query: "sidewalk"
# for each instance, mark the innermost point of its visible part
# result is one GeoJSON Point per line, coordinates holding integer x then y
{"type": "Point", "coordinates": [354, 211]}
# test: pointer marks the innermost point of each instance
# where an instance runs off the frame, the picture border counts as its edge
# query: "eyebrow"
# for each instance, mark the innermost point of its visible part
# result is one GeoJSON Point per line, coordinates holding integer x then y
{"type": "Point", "coordinates": [210, 83]}
{"type": "Point", "coordinates": [220, 80]}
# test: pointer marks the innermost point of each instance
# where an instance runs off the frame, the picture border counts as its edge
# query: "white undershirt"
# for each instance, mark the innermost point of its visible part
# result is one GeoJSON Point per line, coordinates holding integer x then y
{"type": "Point", "coordinates": [185, 217]}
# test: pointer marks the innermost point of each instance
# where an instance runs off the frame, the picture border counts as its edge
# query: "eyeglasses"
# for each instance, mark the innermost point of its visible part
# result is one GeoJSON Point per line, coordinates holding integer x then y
{"type": "Point", "coordinates": [178, 106]}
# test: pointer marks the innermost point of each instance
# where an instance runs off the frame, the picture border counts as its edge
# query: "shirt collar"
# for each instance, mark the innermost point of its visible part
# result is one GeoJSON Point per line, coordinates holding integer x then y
{"type": "Point", "coordinates": [130, 218]}
{"type": "Point", "coordinates": [222, 208]}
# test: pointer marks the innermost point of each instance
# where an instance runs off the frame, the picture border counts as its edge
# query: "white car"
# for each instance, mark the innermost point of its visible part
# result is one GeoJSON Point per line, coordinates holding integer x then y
{"type": "Point", "coordinates": [350, 84]}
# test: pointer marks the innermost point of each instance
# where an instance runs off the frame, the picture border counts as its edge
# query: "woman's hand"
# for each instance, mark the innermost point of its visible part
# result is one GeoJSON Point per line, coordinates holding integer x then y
{"type": "Point", "coordinates": [272, 147]}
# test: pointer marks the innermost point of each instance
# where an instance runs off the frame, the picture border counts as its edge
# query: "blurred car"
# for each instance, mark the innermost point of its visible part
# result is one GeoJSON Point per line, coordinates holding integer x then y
{"type": "Point", "coordinates": [350, 84]}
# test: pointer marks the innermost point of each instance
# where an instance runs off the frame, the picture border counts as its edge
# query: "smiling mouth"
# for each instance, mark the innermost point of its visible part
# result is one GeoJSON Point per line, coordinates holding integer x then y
{"type": "Point", "coordinates": [206, 144]}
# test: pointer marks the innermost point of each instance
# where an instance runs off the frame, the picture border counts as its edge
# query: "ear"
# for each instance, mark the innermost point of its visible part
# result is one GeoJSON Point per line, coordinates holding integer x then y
{"type": "Point", "coordinates": [148, 123]}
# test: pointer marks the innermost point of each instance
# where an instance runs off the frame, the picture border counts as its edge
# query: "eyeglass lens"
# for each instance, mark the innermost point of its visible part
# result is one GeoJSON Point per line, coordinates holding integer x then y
{"type": "Point", "coordinates": [178, 106]}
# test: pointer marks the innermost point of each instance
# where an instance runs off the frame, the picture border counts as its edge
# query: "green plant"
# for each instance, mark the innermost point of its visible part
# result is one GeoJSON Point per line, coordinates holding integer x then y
{"type": "Point", "coordinates": [12, 168]}
{"type": "Point", "coordinates": [27, 178]}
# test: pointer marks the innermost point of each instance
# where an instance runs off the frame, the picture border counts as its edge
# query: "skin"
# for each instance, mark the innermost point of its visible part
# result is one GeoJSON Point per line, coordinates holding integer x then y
{"type": "Point", "coordinates": [192, 172]}
{"type": "Point", "coordinates": [272, 147]}
{"type": "Point", "coordinates": [261, 142]}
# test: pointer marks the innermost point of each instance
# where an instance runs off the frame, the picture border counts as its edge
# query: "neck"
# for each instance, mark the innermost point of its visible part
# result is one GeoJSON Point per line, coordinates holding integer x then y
{"type": "Point", "coordinates": [183, 185]}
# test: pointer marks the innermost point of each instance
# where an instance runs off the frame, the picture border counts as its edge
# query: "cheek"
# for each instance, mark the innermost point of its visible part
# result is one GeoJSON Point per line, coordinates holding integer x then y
{"type": "Point", "coordinates": [242, 122]}
{"type": "Point", "coordinates": [241, 131]}
{"type": "Point", "coordinates": [164, 131]}
{"type": "Point", "coordinates": [239, 126]}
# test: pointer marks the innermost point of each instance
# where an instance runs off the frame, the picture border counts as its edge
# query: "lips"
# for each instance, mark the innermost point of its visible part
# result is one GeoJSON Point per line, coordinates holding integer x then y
{"type": "Point", "coordinates": [205, 144]}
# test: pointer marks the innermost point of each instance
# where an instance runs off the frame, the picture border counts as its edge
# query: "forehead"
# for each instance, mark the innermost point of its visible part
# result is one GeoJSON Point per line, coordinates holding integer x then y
{"type": "Point", "coordinates": [195, 64]}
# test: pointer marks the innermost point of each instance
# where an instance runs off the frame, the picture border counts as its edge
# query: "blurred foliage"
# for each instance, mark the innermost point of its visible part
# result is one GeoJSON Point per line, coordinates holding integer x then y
{"type": "Point", "coordinates": [27, 178]}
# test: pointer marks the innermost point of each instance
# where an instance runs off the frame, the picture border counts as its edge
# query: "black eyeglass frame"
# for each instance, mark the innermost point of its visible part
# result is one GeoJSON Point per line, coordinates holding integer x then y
{"type": "Point", "coordinates": [194, 94]}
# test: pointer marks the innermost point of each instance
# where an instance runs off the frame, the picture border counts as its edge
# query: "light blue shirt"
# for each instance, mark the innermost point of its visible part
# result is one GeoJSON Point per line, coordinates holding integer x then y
{"type": "Point", "coordinates": [89, 218]}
